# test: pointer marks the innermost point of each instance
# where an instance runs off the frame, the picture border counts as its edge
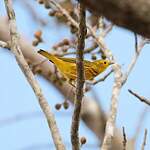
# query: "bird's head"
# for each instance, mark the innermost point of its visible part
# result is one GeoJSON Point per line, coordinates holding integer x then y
{"type": "Point", "coordinates": [103, 64]}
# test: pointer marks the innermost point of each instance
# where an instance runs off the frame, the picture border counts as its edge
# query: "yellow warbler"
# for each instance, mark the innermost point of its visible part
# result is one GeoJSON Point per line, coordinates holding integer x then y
{"type": "Point", "coordinates": [67, 66]}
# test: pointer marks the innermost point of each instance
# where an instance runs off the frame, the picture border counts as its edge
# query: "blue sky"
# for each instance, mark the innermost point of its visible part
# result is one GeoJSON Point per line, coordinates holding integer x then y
{"type": "Point", "coordinates": [17, 96]}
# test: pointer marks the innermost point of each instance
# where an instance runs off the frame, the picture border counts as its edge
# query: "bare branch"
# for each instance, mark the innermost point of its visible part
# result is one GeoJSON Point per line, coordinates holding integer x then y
{"type": "Point", "coordinates": [63, 11]}
{"type": "Point", "coordinates": [141, 98]}
{"type": "Point", "coordinates": [144, 140]}
{"type": "Point", "coordinates": [95, 45]}
{"type": "Point", "coordinates": [124, 139]}
{"type": "Point", "coordinates": [134, 59]}
{"type": "Point", "coordinates": [103, 78]}
{"type": "Point", "coordinates": [15, 48]}
{"type": "Point", "coordinates": [110, 125]}
{"type": "Point", "coordinates": [136, 42]}
{"type": "Point", "coordinates": [88, 50]}
{"type": "Point", "coordinates": [80, 78]}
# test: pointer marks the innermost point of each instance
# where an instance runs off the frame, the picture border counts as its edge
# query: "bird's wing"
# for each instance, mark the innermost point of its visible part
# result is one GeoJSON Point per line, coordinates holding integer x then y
{"type": "Point", "coordinates": [73, 60]}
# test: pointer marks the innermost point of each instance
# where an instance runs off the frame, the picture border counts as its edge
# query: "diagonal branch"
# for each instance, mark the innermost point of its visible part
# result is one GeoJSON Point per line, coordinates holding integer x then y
{"type": "Point", "coordinates": [144, 140]}
{"type": "Point", "coordinates": [138, 50]}
{"type": "Point", "coordinates": [103, 78]}
{"type": "Point", "coordinates": [80, 78]}
{"type": "Point", "coordinates": [15, 48]}
{"type": "Point", "coordinates": [124, 142]}
{"type": "Point", "coordinates": [141, 98]}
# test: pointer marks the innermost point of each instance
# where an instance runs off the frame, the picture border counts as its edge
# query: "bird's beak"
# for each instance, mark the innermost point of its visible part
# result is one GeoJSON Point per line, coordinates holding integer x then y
{"type": "Point", "coordinates": [111, 63]}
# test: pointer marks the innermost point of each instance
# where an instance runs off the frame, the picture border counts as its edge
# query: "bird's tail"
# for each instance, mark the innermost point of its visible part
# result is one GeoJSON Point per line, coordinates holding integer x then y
{"type": "Point", "coordinates": [49, 56]}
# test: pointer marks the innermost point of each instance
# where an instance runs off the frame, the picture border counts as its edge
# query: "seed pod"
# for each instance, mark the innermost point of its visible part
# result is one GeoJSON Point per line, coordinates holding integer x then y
{"type": "Point", "coordinates": [58, 106]}
{"type": "Point", "coordinates": [66, 104]}
{"type": "Point", "coordinates": [83, 140]}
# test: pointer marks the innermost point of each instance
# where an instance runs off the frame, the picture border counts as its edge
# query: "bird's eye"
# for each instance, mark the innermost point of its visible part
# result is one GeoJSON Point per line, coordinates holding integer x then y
{"type": "Point", "coordinates": [104, 62]}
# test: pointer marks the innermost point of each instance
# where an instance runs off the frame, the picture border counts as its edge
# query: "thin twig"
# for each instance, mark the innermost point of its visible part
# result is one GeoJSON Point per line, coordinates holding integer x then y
{"type": "Point", "coordinates": [134, 59]}
{"type": "Point", "coordinates": [15, 48]}
{"type": "Point", "coordinates": [99, 41]}
{"type": "Point", "coordinates": [141, 98]}
{"type": "Point", "coordinates": [136, 42]}
{"type": "Point", "coordinates": [124, 139]}
{"type": "Point", "coordinates": [64, 12]}
{"type": "Point", "coordinates": [101, 25]}
{"type": "Point", "coordinates": [88, 50]}
{"type": "Point", "coordinates": [80, 79]}
{"type": "Point", "coordinates": [103, 78]}
{"type": "Point", "coordinates": [107, 30]}
{"type": "Point", "coordinates": [95, 45]}
{"type": "Point", "coordinates": [144, 140]}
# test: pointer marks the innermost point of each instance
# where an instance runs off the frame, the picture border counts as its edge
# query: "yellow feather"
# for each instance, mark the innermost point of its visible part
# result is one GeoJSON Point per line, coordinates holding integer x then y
{"type": "Point", "coordinates": [67, 66]}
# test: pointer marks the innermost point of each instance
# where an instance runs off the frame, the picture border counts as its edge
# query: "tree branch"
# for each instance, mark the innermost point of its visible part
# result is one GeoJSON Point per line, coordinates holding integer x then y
{"type": "Point", "coordinates": [103, 78]}
{"type": "Point", "coordinates": [124, 142]}
{"type": "Point", "coordinates": [110, 125]}
{"type": "Point", "coordinates": [144, 140]}
{"type": "Point", "coordinates": [133, 15]}
{"type": "Point", "coordinates": [141, 98]}
{"type": "Point", "coordinates": [15, 48]}
{"type": "Point", "coordinates": [80, 78]}
{"type": "Point", "coordinates": [138, 49]}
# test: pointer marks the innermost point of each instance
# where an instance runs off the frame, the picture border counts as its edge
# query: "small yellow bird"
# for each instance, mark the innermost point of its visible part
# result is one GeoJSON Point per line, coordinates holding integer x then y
{"type": "Point", "coordinates": [67, 66]}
